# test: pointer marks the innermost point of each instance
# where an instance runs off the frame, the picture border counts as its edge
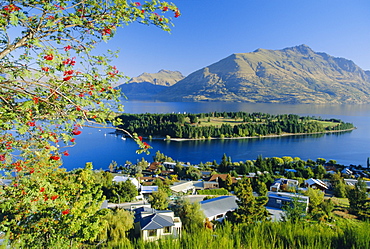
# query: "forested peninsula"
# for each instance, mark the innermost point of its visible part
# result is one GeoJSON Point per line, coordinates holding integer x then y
{"type": "Point", "coordinates": [226, 125]}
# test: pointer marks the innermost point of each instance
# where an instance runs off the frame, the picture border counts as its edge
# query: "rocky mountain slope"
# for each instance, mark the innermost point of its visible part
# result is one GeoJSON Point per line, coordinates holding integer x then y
{"type": "Point", "coordinates": [148, 84]}
{"type": "Point", "coordinates": [291, 75]}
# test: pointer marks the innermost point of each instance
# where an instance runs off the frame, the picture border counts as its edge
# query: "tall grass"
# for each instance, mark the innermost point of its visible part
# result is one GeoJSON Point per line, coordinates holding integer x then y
{"type": "Point", "coordinates": [267, 235]}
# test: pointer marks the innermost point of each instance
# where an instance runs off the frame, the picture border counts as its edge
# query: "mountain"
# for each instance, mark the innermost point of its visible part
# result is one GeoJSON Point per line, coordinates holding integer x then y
{"type": "Point", "coordinates": [148, 84]}
{"type": "Point", "coordinates": [162, 78]}
{"type": "Point", "coordinates": [291, 75]}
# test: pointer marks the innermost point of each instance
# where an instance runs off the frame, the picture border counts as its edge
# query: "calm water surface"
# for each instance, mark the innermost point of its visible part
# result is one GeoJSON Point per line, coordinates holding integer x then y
{"type": "Point", "coordinates": [101, 147]}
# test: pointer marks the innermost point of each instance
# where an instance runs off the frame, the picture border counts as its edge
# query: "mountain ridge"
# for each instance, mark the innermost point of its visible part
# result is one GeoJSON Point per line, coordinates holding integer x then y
{"type": "Point", "coordinates": [291, 75]}
{"type": "Point", "coordinates": [146, 85]}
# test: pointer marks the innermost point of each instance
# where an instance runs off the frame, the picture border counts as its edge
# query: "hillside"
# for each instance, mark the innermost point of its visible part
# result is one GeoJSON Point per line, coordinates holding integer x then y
{"type": "Point", "coordinates": [162, 78]}
{"type": "Point", "coordinates": [291, 75]}
{"type": "Point", "coordinates": [148, 84]}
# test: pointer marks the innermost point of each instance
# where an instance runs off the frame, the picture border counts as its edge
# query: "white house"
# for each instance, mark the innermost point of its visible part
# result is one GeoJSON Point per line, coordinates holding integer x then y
{"type": "Point", "coordinates": [289, 183]}
{"type": "Point", "coordinates": [280, 199]}
{"type": "Point", "coordinates": [316, 184]}
{"type": "Point", "coordinates": [125, 178]}
{"type": "Point", "coordinates": [151, 224]}
{"type": "Point", "coordinates": [216, 208]}
{"type": "Point", "coordinates": [183, 187]}
{"type": "Point", "coordinates": [148, 189]}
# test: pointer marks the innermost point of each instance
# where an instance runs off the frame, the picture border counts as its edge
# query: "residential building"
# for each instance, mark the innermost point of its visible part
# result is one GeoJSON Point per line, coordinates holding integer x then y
{"type": "Point", "coordinates": [284, 184]}
{"type": "Point", "coordinates": [151, 224]}
{"type": "Point", "coordinates": [280, 199]}
{"type": "Point", "coordinates": [316, 184]}
{"type": "Point", "coordinates": [125, 178]}
{"type": "Point", "coordinates": [183, 187]}
{"type": "Point", "coordinates": [216, 208]}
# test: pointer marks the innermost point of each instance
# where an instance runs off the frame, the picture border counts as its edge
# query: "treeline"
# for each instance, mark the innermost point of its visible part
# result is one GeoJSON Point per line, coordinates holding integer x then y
{"type": "Point", "coordinates": [249, 124]}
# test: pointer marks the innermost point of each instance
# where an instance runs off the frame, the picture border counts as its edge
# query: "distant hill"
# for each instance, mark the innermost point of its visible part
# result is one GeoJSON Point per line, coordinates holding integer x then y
{"type": "Point", "coordinates": [291, 75]}
{"type": "Point", "coordinates": [148, 84]}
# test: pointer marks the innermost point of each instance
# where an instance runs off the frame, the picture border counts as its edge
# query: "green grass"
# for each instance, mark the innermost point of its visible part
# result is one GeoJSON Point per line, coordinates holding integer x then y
{"type": "Point", "coordinates": [214, 121]}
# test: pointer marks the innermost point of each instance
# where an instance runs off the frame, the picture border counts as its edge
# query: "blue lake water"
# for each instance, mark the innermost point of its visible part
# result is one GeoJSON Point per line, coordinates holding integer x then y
{"type": "Point", "coordinates": [101, 147]}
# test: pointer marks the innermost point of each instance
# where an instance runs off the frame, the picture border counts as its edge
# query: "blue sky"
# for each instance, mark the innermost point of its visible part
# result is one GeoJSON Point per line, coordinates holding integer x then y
{"type": "Point", "coordinates": [210, 30]}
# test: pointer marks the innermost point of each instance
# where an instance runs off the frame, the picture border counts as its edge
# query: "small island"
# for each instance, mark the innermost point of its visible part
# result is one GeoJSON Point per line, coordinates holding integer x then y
{"type": "Point", "coordinates": [221, 125]}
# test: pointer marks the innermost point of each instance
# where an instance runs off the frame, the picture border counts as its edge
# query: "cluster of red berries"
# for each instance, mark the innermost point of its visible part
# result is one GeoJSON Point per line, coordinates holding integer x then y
{"type": "Point", "coordinates": [69, 61]}
{"type": "Point", "coordinates": [106, 31]}
{"type": "Point", "coordinates": [49, 57]}
{"type": "Point", "coordinates": [11, 8]}
{"type": "Point", "coordinates": [76, 131]}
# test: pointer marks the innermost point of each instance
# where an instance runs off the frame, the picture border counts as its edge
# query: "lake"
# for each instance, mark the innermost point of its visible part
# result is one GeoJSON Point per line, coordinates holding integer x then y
{"type": "Point", "coordinates": [100, 147]}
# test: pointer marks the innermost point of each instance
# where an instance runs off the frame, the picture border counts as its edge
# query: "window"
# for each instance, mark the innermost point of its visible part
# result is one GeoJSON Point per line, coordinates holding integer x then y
{"type": "Point", "coordinates": [219, 216]}
{"type": "Point", "coordinates": [152, 233]}
{"type": "Point", "coordinates": [167, 229]}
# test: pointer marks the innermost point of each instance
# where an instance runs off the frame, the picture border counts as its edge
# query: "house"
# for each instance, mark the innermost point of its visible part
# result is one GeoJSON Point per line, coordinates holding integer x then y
{"type": "Point", "coordinates": [352, 182]}
{"type": "Point", "coordinates": [151, 224]}
{"type": "Point", "coordinates": [216, 208]}
{"type": "Point", "coordinates": [201, 185]}
{"type": "Point", "coordinates": [5, 182]}
{"type": "Point", "coordinates": [148, 180]}
{"type": "Point", "coordinates": [205, 174]}
{"type": "Point", "coordinates": [316, 184]}
{"type": "Point", "coordinates": [218, 177]}
{"type": "Point", "coordinates": [125, 178]}
{"type": "Point", "coordinates": [153, 167]}
{"type": "Point", "coordinates": [346, 171]}
{"type": "Point", "coordinates": [282, 183]}
{"type": "Point", "coordinates": [183, 187]}
{"type": "Point", "coordinates": [169, 166]}
{"type": "Point", "coordinates": [280, 199]}
{"type": "Point", "coordinates": [210, 185]}
{"type": "Point", "coordinates": [145, 190]}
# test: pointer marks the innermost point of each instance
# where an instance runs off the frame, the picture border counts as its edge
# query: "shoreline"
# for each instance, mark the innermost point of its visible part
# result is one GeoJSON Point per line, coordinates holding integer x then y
{"type": "Point", "coordinates": [249, 137]}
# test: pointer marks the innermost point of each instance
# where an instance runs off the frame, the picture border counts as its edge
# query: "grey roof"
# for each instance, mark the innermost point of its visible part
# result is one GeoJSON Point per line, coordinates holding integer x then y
{"type": "Point", "coordinates": [156, 221]}
{"type": "Point", "coordinates": [288, 196]}
{"type": "Point", "coordinates": [312, 181]}
{"type": "Point", "coordinates": [5, 182]}
{"type": "Point", "coordinates": [148, 189]}
{"type": "Point", "coordinates": [219, 205]}
{"type": "Point", "coordinates": [354, 181]}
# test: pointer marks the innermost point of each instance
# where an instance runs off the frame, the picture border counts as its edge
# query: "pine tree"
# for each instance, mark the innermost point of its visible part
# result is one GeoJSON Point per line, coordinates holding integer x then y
{"type": "Point", "coordinates": [250, 208]}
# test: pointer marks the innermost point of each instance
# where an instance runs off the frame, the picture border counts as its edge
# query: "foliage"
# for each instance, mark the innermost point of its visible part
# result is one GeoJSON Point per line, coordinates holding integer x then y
{"type": "Point", "coordinates": [250, 208]}
{"type": "Point", "coordinates": [103, 178]}
{"type": "Point", "coordinates": [316, 199]}
{"type": "Point", "coordinates": [218, 191]}
{"type": "Point", "coordinates": [117, 223]}
{"type": "Point", "coordinates": [159, 200]}
{"type": "Point", "coordinates": [267, 235]}
{"type": "Point", "coordinates": [357, 197]}
{"type": "Point", "coordinates": [252, 124]}
{"type": "Point", "coordinates": [261, 188]}
{"type": "Point", "coordinates": [118, 192]}
{"type": "Point", "coordinates": [52, 205]}
{"type": "Point", "coordinates": [294, 211]}
{"type": "Point", "coordinates": [160, 157]}
{"type": "Point", "coordinates": [340, 189]}
{"type": "Point", "coordinates": [192, 217]}
{"type": "Point", "coordinates": [51, 84]}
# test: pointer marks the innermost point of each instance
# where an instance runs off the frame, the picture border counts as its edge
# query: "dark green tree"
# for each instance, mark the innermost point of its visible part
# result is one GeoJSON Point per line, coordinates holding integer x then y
{"type": "Point", "coordinates": [250, 208]}
{"type": "Point", "coordinates": [228, 182]}
{"type": "Point", "coordinates": [191, 215]}
{"type": "Point", "coordinates": [261, 188]}
{"type": "Point", "coordinates": [159, 200]}
{"type": "Point", "coordinates": [357, 197]}
{"type": "Point", "coordinates": [120, 192]}
{"type": "Point", "coordinates": [294, 211]}
{"type": "Point", "coordinates": [116, 223]}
